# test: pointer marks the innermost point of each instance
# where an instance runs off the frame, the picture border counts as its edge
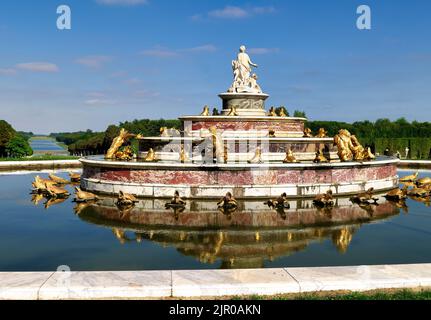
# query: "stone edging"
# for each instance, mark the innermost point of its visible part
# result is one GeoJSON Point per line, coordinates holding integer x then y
{"type": "Point", "coordinates": [39, 165]}
{"type": "Point", "coordinates": [59, 164]}
{"type": "Point", "coordinates": [208, 283]}
{"type": "Point", "coordinates": [414, 164]}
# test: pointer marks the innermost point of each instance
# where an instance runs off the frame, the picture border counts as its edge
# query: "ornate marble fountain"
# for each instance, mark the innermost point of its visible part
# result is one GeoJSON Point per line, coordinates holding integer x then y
{"type": "Point", "coordinates": [244, 150]}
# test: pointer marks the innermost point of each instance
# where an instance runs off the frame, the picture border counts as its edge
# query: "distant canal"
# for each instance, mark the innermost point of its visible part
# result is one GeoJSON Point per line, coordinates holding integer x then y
{"type": "Point", "coordinates": [37, 234]}
{"type": "Point", "coordinates": [42, 145]}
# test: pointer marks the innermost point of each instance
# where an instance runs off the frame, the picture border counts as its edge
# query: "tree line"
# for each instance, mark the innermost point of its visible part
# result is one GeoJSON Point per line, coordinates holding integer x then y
{"type": "Point", "coordinates": [89, 142]}
{"type": "Point", "coordinates": [382, 135]}
{"type": "Point", "coordinates": [13, 144]}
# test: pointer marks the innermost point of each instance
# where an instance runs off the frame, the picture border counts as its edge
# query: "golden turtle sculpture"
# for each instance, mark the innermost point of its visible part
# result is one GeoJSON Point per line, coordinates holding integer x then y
{"type": "Point", "coordinates": [205, 112]}
{"type": "Point", "coordinates": [290, 158]}
{"type": "Point", "coordinates": [176, 202]}
{"type": "Point", "coordinates": [38, 185]}
{"type": "Point", "coordinates": [324, 199]}
{"type": "Point", "coordinates": [282, 113]}
{"type": "Point", "coordinates": [57, 179]}
{"type": "Point", "coordinates": [410, 178]}
{"type": "Point", "coordinates": [56, 192]}
{"type": "Point", "coordinates": [271, 112]}
{"type": "Point", "coordinates": [320, 158]}
{"type": "Point", "coordinates": [75, 177]}
{"type": "Point", "coordinates": [84, 196]}
{"type": "Point", "coordinates": [151, 156]}
{"type": "Point", "coordinates": [308, 133]}
{"type": "Point", "coordinates": [322, 133]}
{"type": "Point", "coordinates": [364, 197]}
{"type": "Point", "coordinates": [126, 199]}
{"type": "Point", "coordinates": [228, 201]}
{"type": "Point", "coordinates": [423, 181]}
{"type": "Point", "coordinates": [397, 194]}
{"type": "Point", "coordinates": [419, 192]}
{"type": "Point", "coordinates": [280, 202]}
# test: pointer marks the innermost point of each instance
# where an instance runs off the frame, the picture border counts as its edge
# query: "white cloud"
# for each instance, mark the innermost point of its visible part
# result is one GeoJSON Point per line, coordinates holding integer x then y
{"type": "Point", "coordinates": [159, 52]}
{"type": "Point", "coordinates": [132, 81]}
{"type": "Point", "coordinates": [168, 53]}
{"type": "Point", "coordinates": [99, 102]}
{"type": "Point", "coordinates": [7, 72]}
{"type": "Point", "coordinates": [121, 2]}
{"type": "Point", "coordinates": [203, 48]}
{"type": "Point", "coordinates": [263, 50]}
{"type": "Point", "coordinates": [146, 94]}
{"type": "Point", "coordinates": [96, 94]}
{"type": "Point", "coordinates": [93, 61]}
{"type": "Point", "coordinates": [263, 10]}
{"type": "Point", "coordinates": [38, 67]}
{"type": "Point", "coordinates": [229, 12]}
{"type": "Point", "coordinates": [234, 12]}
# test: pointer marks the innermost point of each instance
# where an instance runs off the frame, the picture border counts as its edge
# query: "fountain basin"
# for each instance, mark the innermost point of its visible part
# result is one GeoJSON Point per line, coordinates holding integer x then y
{"type": "Point", "coordinates": [192, 180]}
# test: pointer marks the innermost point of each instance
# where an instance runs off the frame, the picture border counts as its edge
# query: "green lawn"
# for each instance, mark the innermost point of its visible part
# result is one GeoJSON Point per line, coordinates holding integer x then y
{"type": "Point", "coordinates": [41, 157]}
{"type": "Point", "coordinates": [424, 294]}
{"type": "Point", "coordinates": [42, 138]}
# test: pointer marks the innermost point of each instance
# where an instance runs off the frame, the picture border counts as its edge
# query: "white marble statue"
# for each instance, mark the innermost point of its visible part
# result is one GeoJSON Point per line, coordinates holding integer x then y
{"type": "Point", "coordinates": [243, 80]}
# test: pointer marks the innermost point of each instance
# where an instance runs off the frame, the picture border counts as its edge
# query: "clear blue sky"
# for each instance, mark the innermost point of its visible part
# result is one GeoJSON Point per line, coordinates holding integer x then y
{"type": "Point", "coordinates": [126, 59]}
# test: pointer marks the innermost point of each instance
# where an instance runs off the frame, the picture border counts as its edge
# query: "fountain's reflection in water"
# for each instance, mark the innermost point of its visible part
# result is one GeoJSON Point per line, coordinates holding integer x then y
{"type": "Point", "coordinates": [241, 238]}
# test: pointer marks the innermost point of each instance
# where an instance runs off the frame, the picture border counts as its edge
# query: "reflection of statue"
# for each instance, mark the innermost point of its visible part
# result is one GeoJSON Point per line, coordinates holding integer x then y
{"type": "Point", "coordinates": [243, 81]}
{"type": "Point", "coordinates": [342, 238]}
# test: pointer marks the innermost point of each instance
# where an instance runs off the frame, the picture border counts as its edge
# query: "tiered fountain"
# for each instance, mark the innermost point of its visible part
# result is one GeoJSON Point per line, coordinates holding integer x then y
{"type": "Point", "coordinates": [244, 150]}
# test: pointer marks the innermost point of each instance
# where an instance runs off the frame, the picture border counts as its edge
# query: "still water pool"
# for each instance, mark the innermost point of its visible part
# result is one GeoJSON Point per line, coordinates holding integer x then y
{"type": "Point", "coordinates": [45, 145]}
{"type": "Point", "coordinates": [38, 235]}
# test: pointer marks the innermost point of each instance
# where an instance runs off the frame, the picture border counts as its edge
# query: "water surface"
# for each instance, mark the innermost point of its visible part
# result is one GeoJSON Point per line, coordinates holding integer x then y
{"type": "Point", "coordinates": [41, 235]}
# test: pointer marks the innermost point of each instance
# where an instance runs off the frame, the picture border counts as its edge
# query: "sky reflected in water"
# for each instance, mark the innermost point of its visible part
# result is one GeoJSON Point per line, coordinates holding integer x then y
{"type": "Point", "coordinates": [101, 237]}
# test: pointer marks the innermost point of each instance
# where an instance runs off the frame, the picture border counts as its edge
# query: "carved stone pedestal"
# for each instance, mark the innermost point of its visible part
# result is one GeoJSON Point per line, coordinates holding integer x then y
{"type": "Point", "coordinates": [246, 104]}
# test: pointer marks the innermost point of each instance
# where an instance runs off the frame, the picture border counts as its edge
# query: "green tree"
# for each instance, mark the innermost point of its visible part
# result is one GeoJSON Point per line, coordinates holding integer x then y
{"type": "Point", "coordinates": [18, 147]}
{"type": "Point", "coordinates": [110, 133]}
{"type": "Point", "coordinates": [6, 134]}
{"type": "Point", "coordinates": [299, 114]}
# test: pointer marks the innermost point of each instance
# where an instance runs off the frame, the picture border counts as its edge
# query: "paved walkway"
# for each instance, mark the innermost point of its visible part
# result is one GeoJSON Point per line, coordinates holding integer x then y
{"type": "Point", "coordinates": [208, 283]}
